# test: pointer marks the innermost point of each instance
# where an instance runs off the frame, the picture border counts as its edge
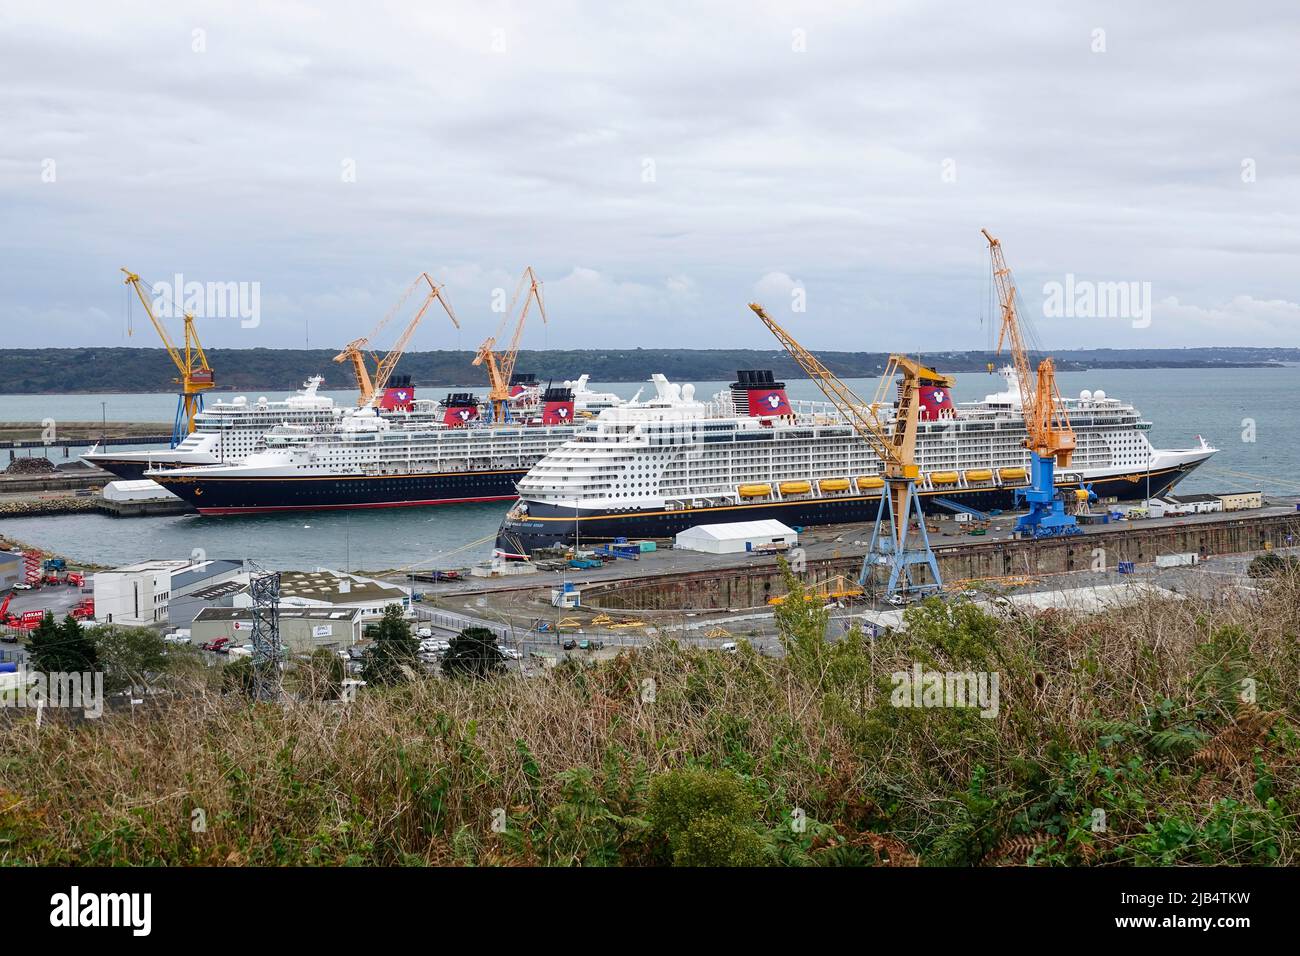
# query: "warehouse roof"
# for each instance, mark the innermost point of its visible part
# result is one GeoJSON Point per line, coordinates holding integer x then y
{"type": "Point", "coordinates": [325, 586]}
{"type": "Point", "coordinates": [768, 528]}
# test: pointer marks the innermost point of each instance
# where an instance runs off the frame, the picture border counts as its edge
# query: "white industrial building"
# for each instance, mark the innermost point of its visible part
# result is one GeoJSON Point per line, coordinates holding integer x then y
{"type": "Point", "coordinates": [140, 490]}
{"type": "Point", "coordinates": [1241, 500]}
{"type": "Point", "coordinates": [139, 594]}
{"type": "Point", "coordinates": [175, 592]}
{"type": "Point", "coordinates": [737, 536]}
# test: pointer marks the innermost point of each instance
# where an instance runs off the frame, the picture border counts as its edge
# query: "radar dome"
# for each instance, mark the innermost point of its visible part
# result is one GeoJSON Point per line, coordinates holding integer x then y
{"type": "Point", "coordinates": [688, 392]}
{"type": "Point", "coordinates": [261, 399]}
{"type": "Point", "coordinates": [1085, 396]}
{"type": "Point", "coordinates": [1099, 395]}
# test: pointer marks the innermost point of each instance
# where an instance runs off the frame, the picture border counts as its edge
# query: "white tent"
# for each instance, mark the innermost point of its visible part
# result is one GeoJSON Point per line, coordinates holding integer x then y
{"type": "Point", "coordinates": [736, 537]}
{"type": "Point", "coordinates": [139, 490]}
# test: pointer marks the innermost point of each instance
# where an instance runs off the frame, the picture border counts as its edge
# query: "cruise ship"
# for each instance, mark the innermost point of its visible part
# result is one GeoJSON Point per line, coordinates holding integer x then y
{"type": "Point", "coordinates": [228, 432]}
{"type": "Point", "coordinates": [372, 460]}
{"type": "Point", "coordinates": [651, 469]}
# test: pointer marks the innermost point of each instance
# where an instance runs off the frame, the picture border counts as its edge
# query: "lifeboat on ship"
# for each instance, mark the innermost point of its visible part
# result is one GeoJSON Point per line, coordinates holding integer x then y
{"type": "Point", "coordinates": [754, 491]}
{"type": "Point", "coordinates": [833, 484]}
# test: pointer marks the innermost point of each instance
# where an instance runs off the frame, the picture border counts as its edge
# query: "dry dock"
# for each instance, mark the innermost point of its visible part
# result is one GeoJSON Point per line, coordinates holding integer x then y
{"type": "Point", "coordinates": [675, 581]}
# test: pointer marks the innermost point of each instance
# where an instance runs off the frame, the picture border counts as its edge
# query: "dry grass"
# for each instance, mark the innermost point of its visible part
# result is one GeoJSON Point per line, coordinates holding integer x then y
{"type": "Point", "coordinates": [1133, 711]}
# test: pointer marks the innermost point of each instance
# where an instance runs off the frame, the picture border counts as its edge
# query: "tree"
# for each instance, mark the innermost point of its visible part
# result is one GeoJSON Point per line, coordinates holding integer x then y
{"type": "Point", "coordinates": [131, 656]}
{"type": "Point", "coordinates": [62, 648]}
{"type": "Point", "coordinates": [394, 656]}
{"type": "Point", "coordinates": [473, 653]}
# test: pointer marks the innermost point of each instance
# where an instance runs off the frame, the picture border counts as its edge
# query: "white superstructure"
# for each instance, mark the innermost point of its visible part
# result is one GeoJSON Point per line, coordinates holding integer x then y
{"type": "Point", "coordinates": [676, 452]}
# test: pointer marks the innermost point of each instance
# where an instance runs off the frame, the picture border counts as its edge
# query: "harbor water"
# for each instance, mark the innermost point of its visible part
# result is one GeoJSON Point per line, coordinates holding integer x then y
{"type": "Point", "coordinates": [1246, 413]}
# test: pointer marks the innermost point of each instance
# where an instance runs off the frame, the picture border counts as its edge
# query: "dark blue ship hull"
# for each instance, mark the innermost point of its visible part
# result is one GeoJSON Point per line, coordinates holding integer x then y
{"type": "Point", "coordinates": [249, 495]}
{"type": "Point", "coordinates": [547, 525]}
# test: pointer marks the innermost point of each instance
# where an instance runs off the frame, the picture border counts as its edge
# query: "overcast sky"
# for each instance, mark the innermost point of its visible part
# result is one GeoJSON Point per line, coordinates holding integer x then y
{"type": "Point", "coordinates": [659, 164]}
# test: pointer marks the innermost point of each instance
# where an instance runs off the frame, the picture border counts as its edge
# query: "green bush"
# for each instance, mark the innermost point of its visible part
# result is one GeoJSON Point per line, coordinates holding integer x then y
{"type": "Point", "coordinates": [705, 818]}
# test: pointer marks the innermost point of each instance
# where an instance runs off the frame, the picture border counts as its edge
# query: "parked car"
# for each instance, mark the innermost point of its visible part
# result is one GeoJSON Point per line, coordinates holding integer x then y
{"type": "Point", "coordinates": [220, 646]}
{"type": "Point", "coordinates": [243, 650]}
{"type": "Point", "coordinates": [176, 637]}
{"type": "Point", "coordinates": [424, 632]}
{"type": "Point", "coordinates": [22, 586]}
{"type": "Point", "coordinates": [570, 644]}
{"type": "Point", "coordinates": [509, 653]}
{"type": "Point", "coordinates": [730, 647]}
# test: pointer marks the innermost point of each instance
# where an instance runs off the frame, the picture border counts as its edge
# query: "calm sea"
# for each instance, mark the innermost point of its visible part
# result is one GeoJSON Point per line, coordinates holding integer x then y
{"type": "Point", "coordinates": [1249, 414]}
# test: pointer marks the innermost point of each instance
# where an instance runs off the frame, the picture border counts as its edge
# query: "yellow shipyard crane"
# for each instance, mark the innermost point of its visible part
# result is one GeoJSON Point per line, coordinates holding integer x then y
{"type": "Point", "coordinates": [367, 386]}
{"type": "Point", "coordinates": [192, 366]}
{"type": "Point", "coordinates": [501, 365]}
{"type": "Point", "coordinates": [1048, 433]}
{"type": "Point", "coordinates": [891, 545]}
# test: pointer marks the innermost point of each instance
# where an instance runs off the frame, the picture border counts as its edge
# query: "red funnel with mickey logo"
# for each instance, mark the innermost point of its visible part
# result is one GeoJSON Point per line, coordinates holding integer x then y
{"type": "Point", "coordinates": [769, 403]}
{"type": "Point", "coordinates": [936, 403]}
{"type": "Point", "coordinates": [398, 396]}
{"type": "Point", "coordinates": [757, 393]}
{"type": "Point", "coordinates": [460, 409]}
{"type": "Point", "coordinates": [557, 406]}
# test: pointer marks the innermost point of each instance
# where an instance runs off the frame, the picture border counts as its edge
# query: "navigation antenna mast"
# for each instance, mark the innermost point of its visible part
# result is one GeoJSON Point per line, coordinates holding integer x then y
{"type": "Point", "coordinates": [899, 503]}
{"type": "Point", "coordinates": [267, 652]}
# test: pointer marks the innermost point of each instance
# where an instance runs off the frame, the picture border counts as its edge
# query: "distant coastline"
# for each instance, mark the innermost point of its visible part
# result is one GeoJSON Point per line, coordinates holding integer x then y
{"type": "Point", "coordinates": [136, 370]}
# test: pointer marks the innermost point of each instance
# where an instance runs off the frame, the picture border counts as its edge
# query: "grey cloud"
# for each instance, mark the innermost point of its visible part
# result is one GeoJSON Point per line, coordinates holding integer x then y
{"type": "Point", "coordinates": [824, 166]}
